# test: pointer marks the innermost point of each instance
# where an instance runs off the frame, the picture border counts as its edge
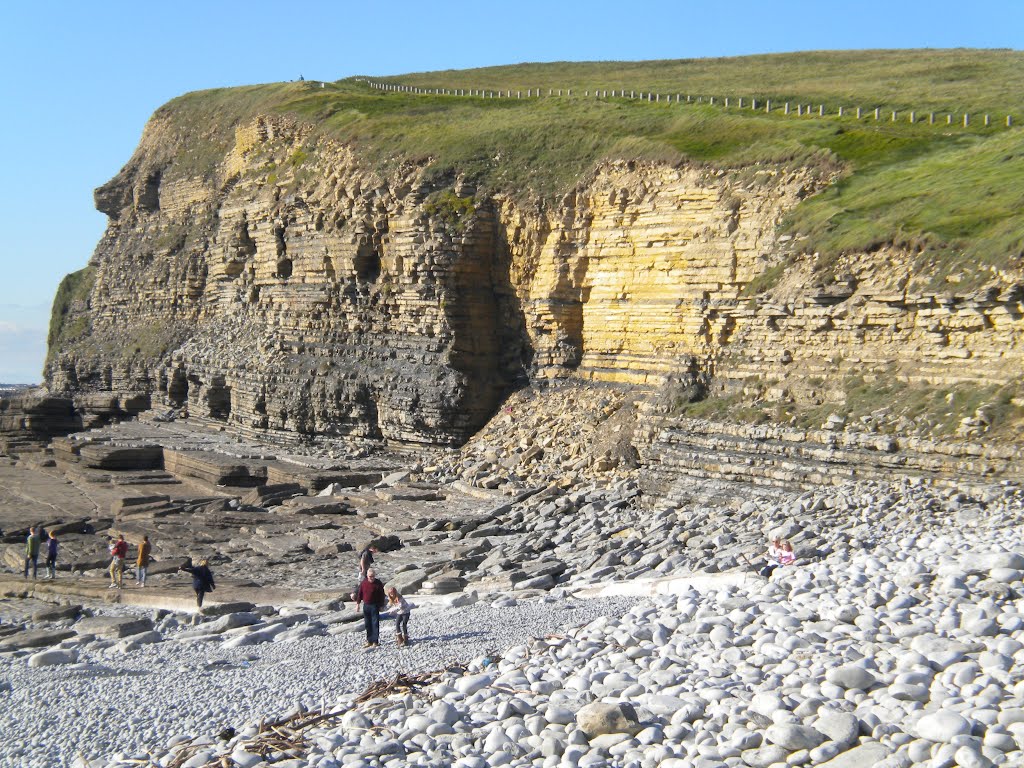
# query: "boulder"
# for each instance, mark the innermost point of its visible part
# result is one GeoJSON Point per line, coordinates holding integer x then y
{"type": "Point", "coordinates": [794, 737]}
{"type": "Point", "coordinates": [408, 581]}
{"type": "Point", "coordinates": [850, 676]}
{"type": "Point", "coordinates": [57, 613]}
{"type": "Point", "coordinates": [598, 718]}
{"type": "Point", "coordinates": [222, 609]}
{"type": "Point", "coordinates": [987, 561]}
{"type": "Point", "coordinates": [113, 627]}
{"type": "Point", "coordinates": [34, 638]}
{"type": "Point", "coordinates": [943, 726]}
{"type": "Point", "coordinates": [871, 753]}
{"type": "Point", "coordinates": [840, 727]}
{"type": "Point", "coordinates": [53, 657]}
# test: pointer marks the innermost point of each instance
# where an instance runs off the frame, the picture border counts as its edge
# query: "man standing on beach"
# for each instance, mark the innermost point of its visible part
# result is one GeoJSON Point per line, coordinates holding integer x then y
{"type": "Point", "coordinates": [118, 552]}
{"type": "Point", "coordinates": [32, 552]}
{"type": "Point", "coordinates": [142, 562]}
{"type": "Point", "coordinates": [366, 560]}
{"type": "Point", "coordinates": [372, 598]}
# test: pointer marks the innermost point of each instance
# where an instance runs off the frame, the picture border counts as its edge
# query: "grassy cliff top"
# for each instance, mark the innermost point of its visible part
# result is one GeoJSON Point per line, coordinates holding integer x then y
{"type": "Point", "coordinates": [952, 192]}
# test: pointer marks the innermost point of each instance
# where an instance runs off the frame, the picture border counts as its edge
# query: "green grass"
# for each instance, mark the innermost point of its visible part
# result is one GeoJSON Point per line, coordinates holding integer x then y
{"type": "Point", "coordinates": [891, 404]}
{"type": "Point", "coordinates": [949, 193]}
{"type": "Point", "coordinates": [449, 208]}
{"type": "Point", "coordinates": [941, 80]}
{"type": "Point", "coordinates": [66, 324]}
{"type": "Point", "coordinates": [958, 205]}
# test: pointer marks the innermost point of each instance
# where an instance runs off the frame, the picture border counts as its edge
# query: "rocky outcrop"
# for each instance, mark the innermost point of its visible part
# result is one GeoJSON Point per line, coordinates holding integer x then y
{"type": "Point", "coordinates": [30, 419]}
{"type": "Point", "coordinates": [288, 291]}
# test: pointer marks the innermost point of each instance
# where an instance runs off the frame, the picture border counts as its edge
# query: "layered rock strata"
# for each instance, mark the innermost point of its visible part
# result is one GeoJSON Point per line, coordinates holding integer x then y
{"type": "Point", "coordinates": [289, 291]}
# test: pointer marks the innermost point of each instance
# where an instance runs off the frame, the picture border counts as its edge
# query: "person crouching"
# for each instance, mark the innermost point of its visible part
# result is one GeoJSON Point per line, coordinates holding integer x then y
{"type": "Point", "coordinates": [202, 579]}
{"type": "Point", "coordinates": [370, 596]}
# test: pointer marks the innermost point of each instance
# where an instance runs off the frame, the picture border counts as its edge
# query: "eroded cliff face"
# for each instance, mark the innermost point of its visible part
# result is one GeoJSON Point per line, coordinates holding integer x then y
{"type": "Point", "coordinates": [293, 291]}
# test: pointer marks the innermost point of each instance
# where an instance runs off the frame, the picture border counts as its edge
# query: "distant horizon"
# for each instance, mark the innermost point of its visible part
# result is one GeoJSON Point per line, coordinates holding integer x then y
{"type": "Point", "coordinates": [88, 81]}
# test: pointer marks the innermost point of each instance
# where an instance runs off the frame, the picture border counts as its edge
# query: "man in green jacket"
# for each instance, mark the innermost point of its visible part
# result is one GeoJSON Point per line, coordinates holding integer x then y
{"type": "Point", "coordinates": [32, 552]}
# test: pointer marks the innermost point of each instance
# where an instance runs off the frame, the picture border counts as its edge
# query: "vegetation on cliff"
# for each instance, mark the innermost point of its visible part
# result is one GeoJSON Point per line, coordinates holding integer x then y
{"type": "Point", "coordinates": [949, 192]}
{"type": "Point", "coordinates": [68, 319]}
{"type": "Point", "coordinates": [914, 208]}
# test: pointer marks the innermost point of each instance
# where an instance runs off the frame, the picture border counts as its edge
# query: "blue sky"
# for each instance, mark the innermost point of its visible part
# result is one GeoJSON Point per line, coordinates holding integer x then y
{"type": "Point", "coordinates": [79, 80]}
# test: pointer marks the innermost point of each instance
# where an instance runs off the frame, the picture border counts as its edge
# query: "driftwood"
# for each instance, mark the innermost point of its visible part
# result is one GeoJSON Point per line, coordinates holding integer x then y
{"type": "Point", "coordinates": [401, 683]}
{"type": "Point", "coordinates": [287, 737]}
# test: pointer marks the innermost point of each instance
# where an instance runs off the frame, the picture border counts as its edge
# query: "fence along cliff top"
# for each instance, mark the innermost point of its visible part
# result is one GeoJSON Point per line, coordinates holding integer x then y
{"type": "Point", "coordinates": [753, 104]}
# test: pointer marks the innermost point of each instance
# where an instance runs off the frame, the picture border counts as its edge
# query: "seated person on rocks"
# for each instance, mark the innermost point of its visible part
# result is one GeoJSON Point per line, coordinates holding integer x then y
{"type": "Point", "coordinates": [780, 553]}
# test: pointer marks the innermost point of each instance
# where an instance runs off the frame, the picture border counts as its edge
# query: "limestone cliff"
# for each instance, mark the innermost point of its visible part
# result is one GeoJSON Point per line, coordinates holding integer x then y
{"type": "Point", "coordinates": [291, 290]}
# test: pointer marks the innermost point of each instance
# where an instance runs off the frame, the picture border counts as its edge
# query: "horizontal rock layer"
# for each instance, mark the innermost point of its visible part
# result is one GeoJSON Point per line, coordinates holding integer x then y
{"type": "Point", "coordinates": [294, 292]}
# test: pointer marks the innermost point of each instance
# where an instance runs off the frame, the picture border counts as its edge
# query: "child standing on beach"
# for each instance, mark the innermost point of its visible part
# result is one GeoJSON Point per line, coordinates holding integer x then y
{"type": "Point", "coordinates": [402, 609]}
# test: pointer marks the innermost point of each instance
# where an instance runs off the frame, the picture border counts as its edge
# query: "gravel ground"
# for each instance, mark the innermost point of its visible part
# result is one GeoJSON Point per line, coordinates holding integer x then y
{"type": "Point", "coordinates": [138, 702]}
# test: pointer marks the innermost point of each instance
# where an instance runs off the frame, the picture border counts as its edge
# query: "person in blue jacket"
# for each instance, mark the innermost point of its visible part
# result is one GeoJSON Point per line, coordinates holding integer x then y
{"type": "Point", "coordinates": [202, 579]}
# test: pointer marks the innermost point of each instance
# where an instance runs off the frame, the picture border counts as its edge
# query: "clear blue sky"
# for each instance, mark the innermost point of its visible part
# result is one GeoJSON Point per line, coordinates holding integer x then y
{"type": "Point", "coordinates": [80, 79]}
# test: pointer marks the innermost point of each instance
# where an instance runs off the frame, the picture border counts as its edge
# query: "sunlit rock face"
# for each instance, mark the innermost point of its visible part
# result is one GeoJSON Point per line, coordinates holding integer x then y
{"type": "Point", "coordinates": [288, 289]}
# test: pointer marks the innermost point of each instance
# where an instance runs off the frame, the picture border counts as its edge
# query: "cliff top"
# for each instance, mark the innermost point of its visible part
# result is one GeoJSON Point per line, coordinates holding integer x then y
{"type": "Point", "coordinates": [948, 190]}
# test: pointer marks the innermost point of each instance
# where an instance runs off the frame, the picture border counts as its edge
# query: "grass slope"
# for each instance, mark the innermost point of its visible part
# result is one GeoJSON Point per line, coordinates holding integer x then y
{"type": "Point", "coordinates": [951, 192]}
{"type": "Point", "coordinates": [941, 80]}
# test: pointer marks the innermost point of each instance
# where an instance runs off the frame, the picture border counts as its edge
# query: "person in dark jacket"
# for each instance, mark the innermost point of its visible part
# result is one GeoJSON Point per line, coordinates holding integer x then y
{"type": "Point", "coordinates": [372, 598]}
{"type": "Point", "coordinates": [51, 556]}
{"type": "Point", "coordinates": [202, 579]}
{"type": "Point", "coordinates": [366, 560]}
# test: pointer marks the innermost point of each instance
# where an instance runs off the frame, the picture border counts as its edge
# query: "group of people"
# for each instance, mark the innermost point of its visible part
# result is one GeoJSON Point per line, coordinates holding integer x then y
{"type": "Point", "coordinates": [372, 597]}
{"type": "Point", "coordinates": [119, 553]}
{"type": "Point", "coordinates": [780, 553]}
{"type": "Point", "coordinates": [202, 576]}
{"type": "Point", "coordinates": [118, 549]}
{"type": "Point", "coordinates": [33, 545]}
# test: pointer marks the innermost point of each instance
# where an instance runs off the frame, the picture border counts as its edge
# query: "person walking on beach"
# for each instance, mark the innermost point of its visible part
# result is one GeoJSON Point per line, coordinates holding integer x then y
{"type": "Point", "coordinates": [370, 596]}
{"type": "Point", "coordinates": [402, 609]}
{"type": "Point", "coordinates": [202, 579]}
{"type": "Point", "coordinates": [366, 560]}
{"type": "Point", "coordinates": [32, 552]}
{"type": "Point", "coordinates": [51, 556]}
{"type": "Point", "coordinates": [142, 562]}
{"type": "Point", "coordinates": [118, 552]}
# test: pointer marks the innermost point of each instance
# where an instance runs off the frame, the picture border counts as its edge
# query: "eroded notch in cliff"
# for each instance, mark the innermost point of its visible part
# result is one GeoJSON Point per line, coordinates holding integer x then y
{"type": "Point", "coordinates": [284, 264]}
{"type": "Point", "coordinates": [244, 248]}
{"type": "Point", "coordinates": [177, 388]}
{"type": "Point", "coordinates": [218, 398]}
{"type": "Point", "coordinates": [367, 261]}
{"type": "Point", "coordinates": [147, 196]}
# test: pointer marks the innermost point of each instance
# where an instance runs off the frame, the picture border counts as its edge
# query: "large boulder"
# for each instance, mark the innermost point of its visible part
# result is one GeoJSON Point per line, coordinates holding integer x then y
{"type": "Point", "coordinates": [113, 627]}
{"type": "Point", "coordinates": [598, 718]}
{"type": "Point", "coordinates": [53, 657]}
{"type": "Point", "coordinates": [34, 638]}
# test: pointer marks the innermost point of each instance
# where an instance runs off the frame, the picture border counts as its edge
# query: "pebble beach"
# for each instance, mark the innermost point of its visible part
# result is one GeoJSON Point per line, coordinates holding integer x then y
{"type": "Point", "coordinates": [899, 649]}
